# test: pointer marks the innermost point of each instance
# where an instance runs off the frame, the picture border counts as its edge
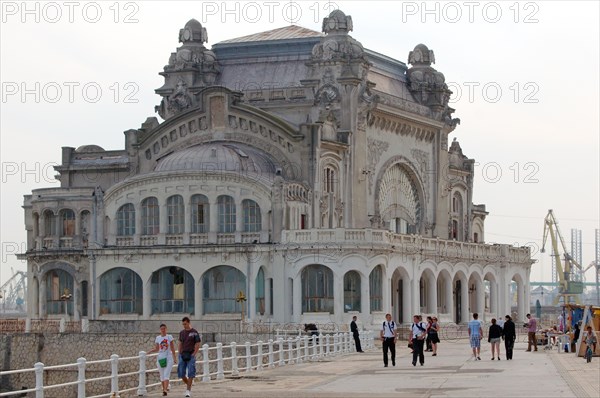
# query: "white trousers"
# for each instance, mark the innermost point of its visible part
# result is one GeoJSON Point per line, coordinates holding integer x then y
{"type": "Point", "coordinates": [166, 371]}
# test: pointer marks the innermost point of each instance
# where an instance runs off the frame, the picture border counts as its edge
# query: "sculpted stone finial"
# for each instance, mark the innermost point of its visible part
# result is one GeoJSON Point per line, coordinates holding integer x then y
{"type": "Point", "coordinates": [337, 22]}
{"type": "Point", "coordinates": [193, 32]}
{"type": "Point", "coordinates": [421, 55]}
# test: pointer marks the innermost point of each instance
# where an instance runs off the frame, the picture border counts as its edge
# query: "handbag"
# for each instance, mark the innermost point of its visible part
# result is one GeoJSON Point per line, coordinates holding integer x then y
{"type": "Point", "coordinates": [186, 356]}
{"type": "Point", "coordinates": [410, 343]}
{"type": "Point", "coordinates": [162, 362]}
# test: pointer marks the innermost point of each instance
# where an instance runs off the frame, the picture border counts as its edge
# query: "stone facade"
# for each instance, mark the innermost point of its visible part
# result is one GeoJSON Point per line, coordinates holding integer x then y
{"type": "Point", "coordinates": [295, 167]}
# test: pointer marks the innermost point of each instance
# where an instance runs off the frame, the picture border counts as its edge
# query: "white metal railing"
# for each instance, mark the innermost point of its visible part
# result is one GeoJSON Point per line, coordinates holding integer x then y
{"type": "Point", "coordinates": [273, 353]}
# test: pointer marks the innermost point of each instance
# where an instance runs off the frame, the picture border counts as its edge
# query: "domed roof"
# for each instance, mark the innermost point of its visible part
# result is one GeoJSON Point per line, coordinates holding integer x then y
{"type": "Point", "coordinates": [218, 157]}
{"type": "Point", "coordinates": [89, 148]}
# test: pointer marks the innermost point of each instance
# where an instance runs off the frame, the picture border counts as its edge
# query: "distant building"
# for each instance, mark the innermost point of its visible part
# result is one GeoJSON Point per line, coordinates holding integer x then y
{"type": "Point", "coordinates": [297, 167]}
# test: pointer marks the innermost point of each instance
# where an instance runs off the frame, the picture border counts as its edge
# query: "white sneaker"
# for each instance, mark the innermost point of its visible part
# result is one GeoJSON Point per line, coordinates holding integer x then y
{"type": "Point", "coordinates": [188, 393]}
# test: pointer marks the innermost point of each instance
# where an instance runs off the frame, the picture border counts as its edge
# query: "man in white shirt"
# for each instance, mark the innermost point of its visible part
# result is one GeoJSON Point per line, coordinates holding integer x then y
{"type": "Point", "coordinates": [388, 335]}
{"type": "Point", "coordinates": [418, 334]}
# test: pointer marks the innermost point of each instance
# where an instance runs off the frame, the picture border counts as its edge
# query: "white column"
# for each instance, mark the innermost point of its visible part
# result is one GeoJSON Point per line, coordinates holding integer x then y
{"type": "Point", "coordinates": [365, 304]}
{"type": "Point", "coordinates": [415, 296]}
{"type": "Point", "coordinates": [251, 293]}
{"type": "Point", "coordinates": [338, 297]}
{"type": "Point", "coordinates": [464, 294]}
{"type": "Point", "coordinates": [213, 221]}
{"type": "Point", "coordinates": [297, 298]}
{"type": "Point", "coordinates": [448, 298]}
{"type": "Point", "coordinates": [480, 298]}
{"type": "Point", "coordinates": [432, 295]}
{"type": "Point", "coordinates": [147, 299]}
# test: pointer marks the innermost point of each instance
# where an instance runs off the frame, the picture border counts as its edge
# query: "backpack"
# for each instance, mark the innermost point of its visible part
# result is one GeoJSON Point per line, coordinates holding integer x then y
{"type": "Point", "coordinates": [392, 328]}
{"type": "Point", "coordinates": [422, 335]}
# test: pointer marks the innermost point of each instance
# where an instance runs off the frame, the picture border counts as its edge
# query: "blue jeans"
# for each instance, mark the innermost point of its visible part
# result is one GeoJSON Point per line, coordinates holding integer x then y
{"type": "Point", "coordinates": [189, 366]}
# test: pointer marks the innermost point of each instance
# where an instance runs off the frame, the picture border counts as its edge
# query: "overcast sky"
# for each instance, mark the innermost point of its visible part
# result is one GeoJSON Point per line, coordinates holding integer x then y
{"type": "Point", "coordinates": [525, 76]}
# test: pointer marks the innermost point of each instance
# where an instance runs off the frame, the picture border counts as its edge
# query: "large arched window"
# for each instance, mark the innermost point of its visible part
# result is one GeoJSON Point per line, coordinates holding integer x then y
{"type": "Point", "coordinates": [252, 218]}
{"type": "Point", "coordinates": [175, 214]}
{"type": "Point", "coordinates": [120, 292]}
{"type": "Point", "coordinates": [126, 220]}
{"type": "Point", "coordinates": [59, 292]}
{"type": "Point", "coordinates": [67, 218]}
{"type": "Point", "coordinates": [200, 215]}
{"type": "Point", "coordinates": [329, 180]}
{"type": "Point", "coordinates": [260, 292]}
{"type": "Point", "coordinates": [150, 216]}
{"type": "Point", "coordinates": [227, 218]}
{"type": "Point", "coordinates": [399, 203]}
{"type": "Point", "coordinates": [317, 289]}
{"type": "Point", "coordinates": [376, 289]}
{"type": "Point", "coordinates": [352, 291]}
{"type": "Point", "coordinates": [220, 288]}
{"type": "Point", "coordinates": [49, 223]}
{"type": "Point", "coordinates": [457, 217]}
{"type": "Point", "coordinates": [172, 291]}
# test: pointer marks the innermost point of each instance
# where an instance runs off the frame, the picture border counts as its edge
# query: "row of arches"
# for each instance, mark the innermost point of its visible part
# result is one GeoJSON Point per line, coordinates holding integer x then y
{"type": "Point", "coordinates": [198, 220]}
{"type": "Point", "coordinates": [452, 294]}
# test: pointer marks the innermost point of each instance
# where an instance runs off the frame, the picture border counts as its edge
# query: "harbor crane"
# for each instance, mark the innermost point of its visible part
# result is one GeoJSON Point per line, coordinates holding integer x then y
{"type": "Point", "coordinates": [565, 263]}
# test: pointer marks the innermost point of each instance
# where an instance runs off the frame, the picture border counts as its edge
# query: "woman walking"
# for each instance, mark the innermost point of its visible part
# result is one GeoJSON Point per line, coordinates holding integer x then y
{"type": "Point", "coordinates": [163, 344]}
{"type": "Point", "coordinates": [433, 336]}
{"type": "Point", "coordinates": [494, 335]}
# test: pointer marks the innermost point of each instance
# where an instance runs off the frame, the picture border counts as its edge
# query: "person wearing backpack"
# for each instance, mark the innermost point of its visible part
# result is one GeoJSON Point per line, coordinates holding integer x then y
{"type": "Point", "coordinates": [418, 333]}
{"type": "Point", "coordinates": [388, 335]}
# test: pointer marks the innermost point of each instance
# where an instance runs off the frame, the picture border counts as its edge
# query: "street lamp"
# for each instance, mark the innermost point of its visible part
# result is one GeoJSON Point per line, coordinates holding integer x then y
{"type": "Point", "coordinates": [66, 296]}
{"type": "Point", "coordinates": [241, 298]}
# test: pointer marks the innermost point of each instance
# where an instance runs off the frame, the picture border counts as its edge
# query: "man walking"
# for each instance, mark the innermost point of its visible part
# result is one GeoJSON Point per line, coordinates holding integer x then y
{"type": "Point", "coordinates": [531, 326]}
{"type": "Point", "coordinates": [354, 330]}
{"type": "Point", "coordinates": [418, 333]}
{"type": "Point", "coordinates": [189, 344]}
{"type": "Point", "coordinates": [475, 336]}
{"type": "Point", "coordinates": [388, 336]}
{"type": "Point", "coordinates": [509, 334]}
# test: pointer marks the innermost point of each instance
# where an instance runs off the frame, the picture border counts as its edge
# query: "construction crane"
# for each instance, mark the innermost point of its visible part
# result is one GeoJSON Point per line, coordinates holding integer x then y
{"type": "Point", "coordinates": [567, 288]}
{"type": "Point", "coordinates": [14, 292]}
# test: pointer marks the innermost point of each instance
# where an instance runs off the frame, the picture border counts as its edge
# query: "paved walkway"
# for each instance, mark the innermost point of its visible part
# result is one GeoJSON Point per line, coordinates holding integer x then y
{"type": "Point", "coordinates": [450, 374]}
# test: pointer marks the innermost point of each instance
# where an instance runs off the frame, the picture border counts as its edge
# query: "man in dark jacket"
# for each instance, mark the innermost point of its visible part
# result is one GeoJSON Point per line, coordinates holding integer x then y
{"type": "Point", "coordinates": [509, 335]}
{"type": "Point", "coordinates": [354, 330]}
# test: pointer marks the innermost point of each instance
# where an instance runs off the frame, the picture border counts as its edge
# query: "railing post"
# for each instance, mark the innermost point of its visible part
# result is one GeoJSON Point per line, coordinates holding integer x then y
{"type": "Point", "coordinates": [141, 391]}
{"type": "Point", "coordinates": [234, 361]}
{"type": "Point", "coordinates": [220, 373]}
{"type": "Point", "coordinates": [298, 349]}
{"type": "Point", "coordinates": [248, 357]}
{"type": "Point", "coordinates": [335, 344]}
{"type": "Point", "coordinates": [291, 351]}
{"type": "Point", "coordinates": [27, 325]}
{"type": "Point", "coordinates": [281, 357]}
{"type": "Point", "coordinates": [80, 377]}
{"type": "Point", "coordinates": [306, 356]}
{"type": "Point", "coordinates": [62, 326]}
{"type": "Point", "coordinates": [39, 380]}
{"type": "Point", "coordinates": [205, 364]}
{"type": "Point", "coordinates": [314, 343]}
{"type": "Point", "coordinates": [347, 340]}
{"type": "Point", "coordinates": [114, 380]}
{"type": "Point", "coordinates": [259, 358]}
{"type": "Point", "coordinates": [271, 364]}
{"type": "Point", "coordinates": [321, 341]}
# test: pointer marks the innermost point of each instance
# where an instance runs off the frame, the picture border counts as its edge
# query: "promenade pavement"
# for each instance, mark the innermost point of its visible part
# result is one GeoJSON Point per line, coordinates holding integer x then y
{"type": "Point", "coordinates": [452, 373]}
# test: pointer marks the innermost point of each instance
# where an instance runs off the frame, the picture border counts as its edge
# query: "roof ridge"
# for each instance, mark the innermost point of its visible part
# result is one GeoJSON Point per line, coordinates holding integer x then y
{"type": "Point", "coordinates": [282, 33]}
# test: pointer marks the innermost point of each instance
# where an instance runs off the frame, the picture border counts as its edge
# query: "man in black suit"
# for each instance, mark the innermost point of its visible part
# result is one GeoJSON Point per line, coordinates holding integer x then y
{"type": "Point", "coordinates": [509, 335]}
{"type": "Point", "coordinates": [354, 330]}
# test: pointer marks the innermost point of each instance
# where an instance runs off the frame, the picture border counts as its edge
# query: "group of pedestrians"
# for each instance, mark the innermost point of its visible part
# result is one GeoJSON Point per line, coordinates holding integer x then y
{"type": "Point", "coordinates": [506, 332]}
{"type": "Point", "coordinates": [188, 346]}
{"type": "Point", "coordinates": [423, 337]}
